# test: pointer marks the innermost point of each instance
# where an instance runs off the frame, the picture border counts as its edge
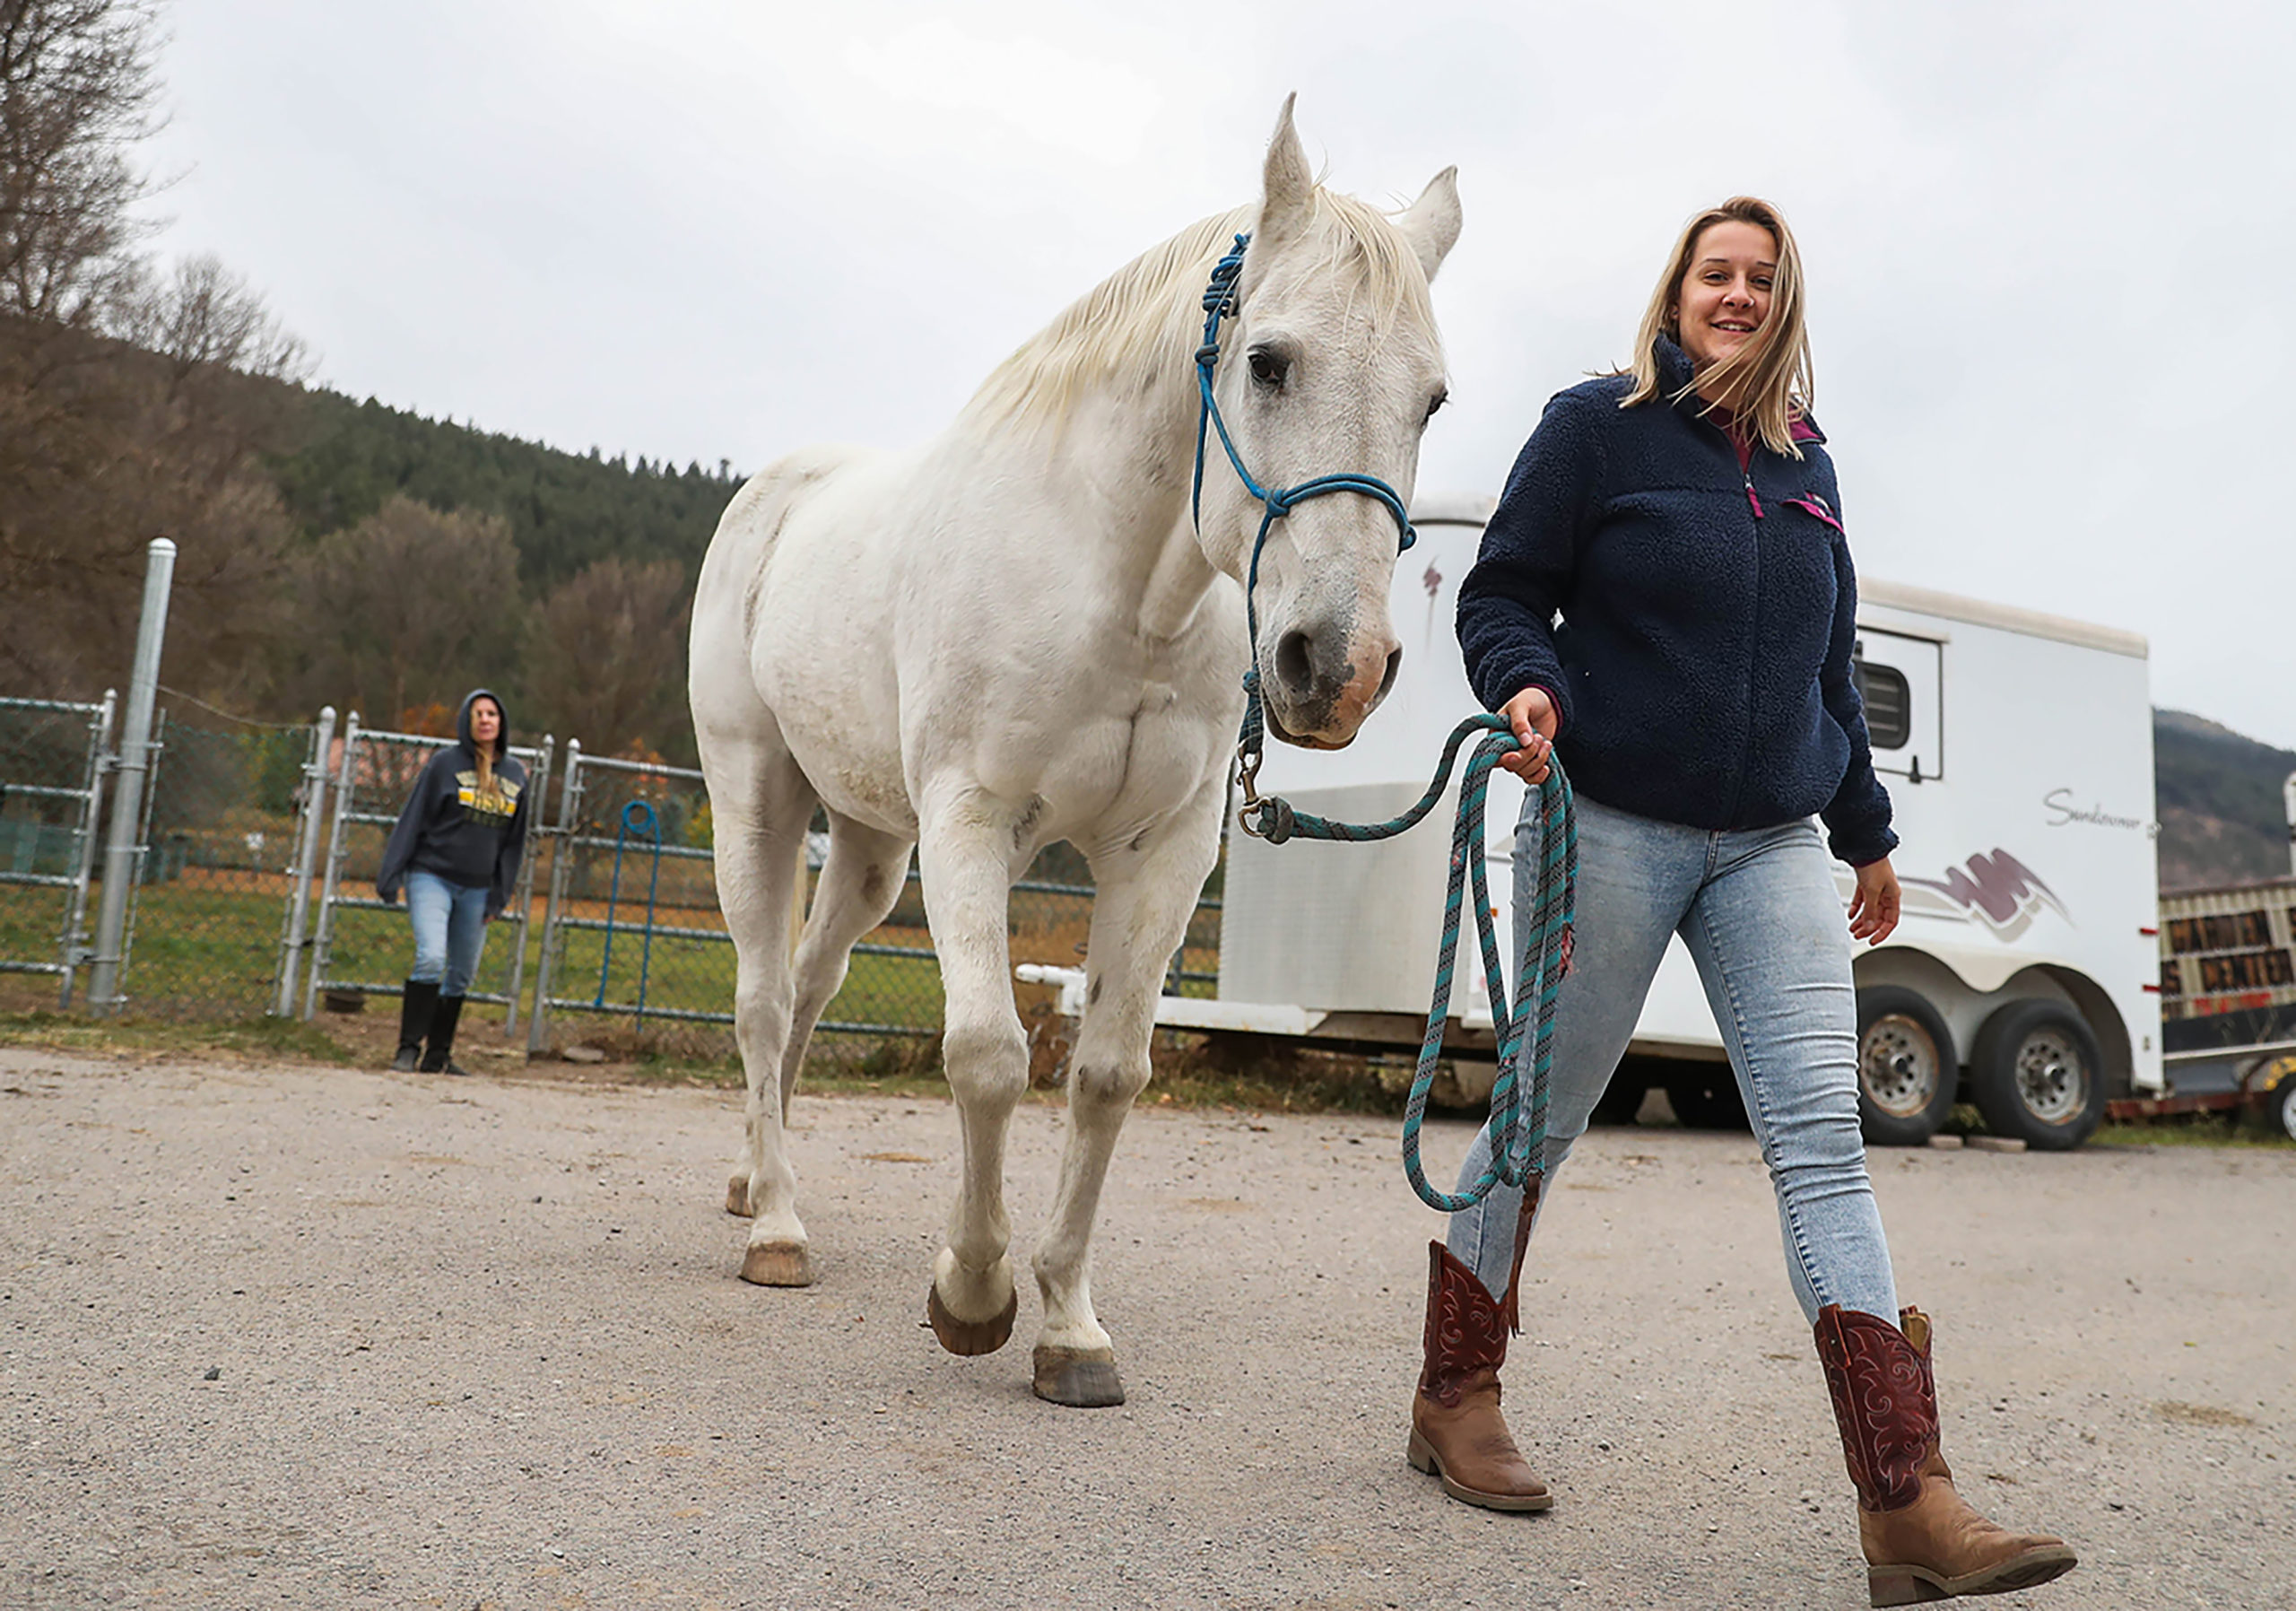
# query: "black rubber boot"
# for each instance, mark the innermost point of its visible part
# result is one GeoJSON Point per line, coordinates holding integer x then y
{"type": "Point", "coordinates": [416, 1002]}
{"type": "Point", "coordinates": [439, 1058]}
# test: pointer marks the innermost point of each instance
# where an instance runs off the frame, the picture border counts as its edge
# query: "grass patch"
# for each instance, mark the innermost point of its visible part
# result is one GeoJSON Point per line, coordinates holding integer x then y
{"type": "Point", "coordinates": [1191, 1071]}
{"type": "Point", "coordinates": [2190, 1129]}
{"type": "Point", "coordinates": [276, 1040]}
{"type": "Point", "coordinates": [1197, 1071]}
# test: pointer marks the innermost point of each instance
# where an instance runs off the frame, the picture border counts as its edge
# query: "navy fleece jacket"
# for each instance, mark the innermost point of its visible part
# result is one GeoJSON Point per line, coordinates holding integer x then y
{"type": "Point", "coordinates": [451, 829]}
{"type": "Point", "coordinates": [1701, 667]}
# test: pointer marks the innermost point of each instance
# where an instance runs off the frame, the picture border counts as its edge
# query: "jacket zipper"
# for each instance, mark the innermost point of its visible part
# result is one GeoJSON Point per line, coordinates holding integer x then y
{"type": "Point", "coordinates": [1753, 502]}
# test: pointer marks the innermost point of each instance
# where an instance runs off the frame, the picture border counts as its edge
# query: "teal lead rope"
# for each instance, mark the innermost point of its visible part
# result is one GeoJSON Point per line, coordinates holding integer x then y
{"type": "Point", "coordinates": [1516, 1125]}
{"type": "Point", "coordinates": [1518, 1130]}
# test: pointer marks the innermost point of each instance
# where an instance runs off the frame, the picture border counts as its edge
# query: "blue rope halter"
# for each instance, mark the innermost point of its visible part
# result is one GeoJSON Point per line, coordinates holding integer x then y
{"type": "Point", "coordinates": [1219, 302]}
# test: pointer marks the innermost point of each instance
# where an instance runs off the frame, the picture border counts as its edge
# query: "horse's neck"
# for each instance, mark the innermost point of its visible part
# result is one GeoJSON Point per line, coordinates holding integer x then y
{"type": "Point", "coordinates": [1117, 467]}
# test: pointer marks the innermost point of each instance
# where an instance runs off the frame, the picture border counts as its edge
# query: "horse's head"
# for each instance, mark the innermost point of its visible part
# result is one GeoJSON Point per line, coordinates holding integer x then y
{"type": "Point", "coordinates": [1331, 364]}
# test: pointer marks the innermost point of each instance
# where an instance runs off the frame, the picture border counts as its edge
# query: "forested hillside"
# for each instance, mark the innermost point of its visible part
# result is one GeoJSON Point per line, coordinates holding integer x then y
{"type": "Point", "coordinates": [566, 511]}
{"type": "Point", "coordinates": [563, 579]}
{"type": "Point", "coordinates": [329, 552]}
{"type": "Point", "coordinates": [2223, 819]}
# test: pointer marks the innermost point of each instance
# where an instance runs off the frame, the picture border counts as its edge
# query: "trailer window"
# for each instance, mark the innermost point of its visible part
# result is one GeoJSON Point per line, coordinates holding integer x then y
{"type": "Point", "coordinates": [1888, 704]}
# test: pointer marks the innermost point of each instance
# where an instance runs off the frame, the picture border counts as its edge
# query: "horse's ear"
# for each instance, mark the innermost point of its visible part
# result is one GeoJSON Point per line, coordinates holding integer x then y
{"type": "Point", "coordinates": [1286, 184]}
{"type": "Point", "coordinates": [1431, 223]}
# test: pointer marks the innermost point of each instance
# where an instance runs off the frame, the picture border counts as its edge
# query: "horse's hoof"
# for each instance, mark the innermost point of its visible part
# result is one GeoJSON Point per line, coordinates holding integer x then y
{"type": "Point", "coordinates": [968, 1337]}
{"type": "Point", "coordinates": [738, 1196]}
{"type": "Point", "coordinates": [1080, 1378]}
{"type": "Point", "coordinates": [778, 1264]}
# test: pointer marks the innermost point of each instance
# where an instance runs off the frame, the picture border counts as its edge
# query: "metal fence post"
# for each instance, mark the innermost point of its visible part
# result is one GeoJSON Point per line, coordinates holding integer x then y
{"type": "Point", "coordinates": [570, 796]}
{"type": "Point", "coordinates": [122, 853]}
{"type": "Point", "coordinates": [522, 895]}
{"type": "Point", "coordinates": [322, 941]}
{"type": "Point", "coordinates": [307, 849]}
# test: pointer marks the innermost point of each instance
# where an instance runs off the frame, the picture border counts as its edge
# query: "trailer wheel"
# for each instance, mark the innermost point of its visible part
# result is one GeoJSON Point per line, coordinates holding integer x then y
{"type": "Point", "coordinates": [2039, 1075]}
{"type": "Point", "coordinates": [2284, 1105]}
{"type": "Point", "coordinates": [1906, 1072]}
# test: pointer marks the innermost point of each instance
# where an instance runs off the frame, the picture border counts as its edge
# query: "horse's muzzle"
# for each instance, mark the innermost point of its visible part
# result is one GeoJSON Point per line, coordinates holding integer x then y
{"type": "Point", "coordinates": [1316, 695]}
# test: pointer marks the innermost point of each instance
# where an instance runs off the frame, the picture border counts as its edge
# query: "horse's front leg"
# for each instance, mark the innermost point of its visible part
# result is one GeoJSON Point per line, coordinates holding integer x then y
{"type": "Point", "coordinates": [965, 854]}
{"type": "Point", "coordinates": [1140, 915]}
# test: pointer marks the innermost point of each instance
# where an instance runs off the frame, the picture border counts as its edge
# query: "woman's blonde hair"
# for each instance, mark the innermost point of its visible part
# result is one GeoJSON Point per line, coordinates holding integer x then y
{"type": "Point", "coordinates": [1770, 375]}
{"type": "Point", "coordinates": [486, 752]}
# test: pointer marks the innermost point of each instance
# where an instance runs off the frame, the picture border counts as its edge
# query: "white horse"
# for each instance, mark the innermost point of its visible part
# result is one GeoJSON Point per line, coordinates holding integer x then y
{"type": "Point", "coordinates": [1015, 634]}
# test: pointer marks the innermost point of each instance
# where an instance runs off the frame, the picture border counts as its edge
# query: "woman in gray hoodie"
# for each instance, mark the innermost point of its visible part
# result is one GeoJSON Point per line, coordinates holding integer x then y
{"type": "Point", "coordinates": [454, 851]}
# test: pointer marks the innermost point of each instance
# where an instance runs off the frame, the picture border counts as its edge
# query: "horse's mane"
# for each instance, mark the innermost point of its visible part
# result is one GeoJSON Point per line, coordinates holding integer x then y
{"type": "Point", "coordinates": [1150, 307]}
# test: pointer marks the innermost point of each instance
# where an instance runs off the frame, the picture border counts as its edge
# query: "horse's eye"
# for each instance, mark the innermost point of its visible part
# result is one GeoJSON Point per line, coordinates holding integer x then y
{"type": "Point", "coordinates": [1268, 369]}
{"type": "Point", "coordinates": [1436, 402]}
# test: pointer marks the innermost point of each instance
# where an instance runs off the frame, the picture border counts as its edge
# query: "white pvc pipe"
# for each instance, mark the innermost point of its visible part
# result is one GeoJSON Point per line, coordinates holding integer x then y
{"type": "Point", "coordinates": [2288, 799]}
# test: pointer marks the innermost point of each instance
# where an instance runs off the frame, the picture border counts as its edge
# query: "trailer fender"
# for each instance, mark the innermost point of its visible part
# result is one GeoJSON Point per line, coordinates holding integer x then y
{"type": "Point", "coordinates": [1981, 969]}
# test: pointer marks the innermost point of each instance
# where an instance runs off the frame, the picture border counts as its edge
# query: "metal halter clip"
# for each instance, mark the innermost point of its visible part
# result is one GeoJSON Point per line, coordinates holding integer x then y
{"type": "Point", "coordinates": [1268, 817]}
{"type": "Point", "coordinates": [1248, 760]}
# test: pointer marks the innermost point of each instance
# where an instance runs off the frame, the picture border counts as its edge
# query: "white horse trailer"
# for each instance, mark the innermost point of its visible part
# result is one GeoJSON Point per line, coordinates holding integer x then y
{"type": "Point", "coordinates": [2018, 750]}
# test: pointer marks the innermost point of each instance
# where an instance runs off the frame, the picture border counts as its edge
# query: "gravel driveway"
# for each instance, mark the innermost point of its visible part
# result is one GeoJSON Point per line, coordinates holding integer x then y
{"type": "Point", "coordinates": [288, 1337]}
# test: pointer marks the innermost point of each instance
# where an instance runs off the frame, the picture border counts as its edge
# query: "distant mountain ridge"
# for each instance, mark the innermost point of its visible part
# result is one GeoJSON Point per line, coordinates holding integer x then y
{"type": "Point", "coordinates": [2218, 798]}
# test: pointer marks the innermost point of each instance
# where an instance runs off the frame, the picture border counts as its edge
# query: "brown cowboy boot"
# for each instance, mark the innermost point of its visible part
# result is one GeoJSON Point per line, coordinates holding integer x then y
{"type": "Point", "coordinates": [1922, 1540]}
{"type": "Point", "coordinates": [1457, 1431]}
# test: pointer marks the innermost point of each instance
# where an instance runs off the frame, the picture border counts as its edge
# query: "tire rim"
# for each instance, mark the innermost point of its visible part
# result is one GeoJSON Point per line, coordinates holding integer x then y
{"type": "Point", "coordinates": [1898, 1066]}
{"type": "Point", "coordinates": [2288, 1108]}
{"type": "Point", "coordinates": [2052, 1080]}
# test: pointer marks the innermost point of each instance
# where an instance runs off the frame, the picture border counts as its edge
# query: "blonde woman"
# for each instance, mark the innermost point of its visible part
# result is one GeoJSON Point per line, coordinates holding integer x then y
{"type": "Point", "coordinates": [455, 851]}
{"type": "Point", "coordinates": [1681, 520]}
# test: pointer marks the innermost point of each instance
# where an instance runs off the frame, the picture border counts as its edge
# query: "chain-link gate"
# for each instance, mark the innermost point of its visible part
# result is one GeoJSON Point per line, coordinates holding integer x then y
{"type": "Point", "coordinates": [633, 900]}
{"type": "Point", "coordinates": [633, 923]}
{"type": "Point", "coordinates": [632, 928]}
{"type": "Point", "coordinates": [54, 756]}
{"type": "Point", "coordinates": [363, 955]}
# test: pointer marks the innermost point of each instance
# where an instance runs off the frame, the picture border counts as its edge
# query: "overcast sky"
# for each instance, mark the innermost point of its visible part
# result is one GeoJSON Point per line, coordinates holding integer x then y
{"type": "Point", "coordinates": [2049, 246]}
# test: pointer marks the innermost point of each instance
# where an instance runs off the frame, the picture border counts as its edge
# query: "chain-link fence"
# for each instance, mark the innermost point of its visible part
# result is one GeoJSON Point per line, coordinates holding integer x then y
{"type": "Point", "coordinates": [52, 760]}
{"type": "Point", "coordinates": [634, 935]}
{"type": "Point", "coordinates": [219, 833]}
{"type": "Point", "coordinates": [257, 848]}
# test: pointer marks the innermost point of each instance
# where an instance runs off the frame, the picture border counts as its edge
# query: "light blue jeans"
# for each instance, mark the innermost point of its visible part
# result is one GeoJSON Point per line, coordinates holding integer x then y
{"type": "Point", "coordinates": [450, 930]}
{"type": "Point", "coordinates": [1758, 912]}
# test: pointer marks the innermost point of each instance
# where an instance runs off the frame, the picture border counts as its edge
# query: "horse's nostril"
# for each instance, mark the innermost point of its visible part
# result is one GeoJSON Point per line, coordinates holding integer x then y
{"type": "Point", "coordinates": [1295, 662]}
{"type": "Point", "coordinates": [1388, 681]}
